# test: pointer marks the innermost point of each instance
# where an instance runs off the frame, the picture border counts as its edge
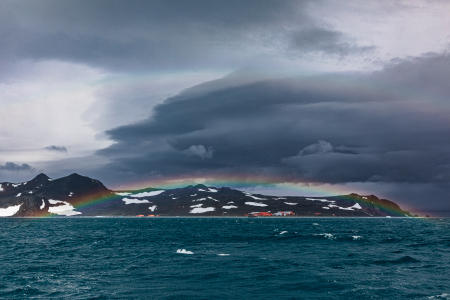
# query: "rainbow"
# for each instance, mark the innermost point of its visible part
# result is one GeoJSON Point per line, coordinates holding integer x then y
{"type": "Point", "coordinates": [303, 188]}
{"type": "Point", "coordinates": [83, 202]}
{"type": "Point", "coordinates": [240, 181]}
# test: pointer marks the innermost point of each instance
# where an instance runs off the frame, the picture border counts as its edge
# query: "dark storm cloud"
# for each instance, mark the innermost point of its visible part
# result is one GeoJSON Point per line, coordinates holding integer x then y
{"type": "Point", "coordinates": [56, 148]}
{"type": "Point", "coordinates": [156, 35]}
{"type": "Point", "coordinates": [354, 128]}
{"type": "Point", "coordinates": [11, 166]}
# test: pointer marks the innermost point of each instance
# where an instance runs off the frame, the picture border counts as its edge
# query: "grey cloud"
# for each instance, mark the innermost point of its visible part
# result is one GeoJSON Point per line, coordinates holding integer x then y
{"type": "Point", "coordinates": [162, 35]}
{"type": "Point", "coordinates": [200, 151]}
{"type": "Point", "coordinates": [353, 129]}
{"type": "Point", "coordinates": [11, 166]}
{"type": "Point", "coordinates": [326, 41]}
{"type": "Point", "coordinates": [56, 148]}
{"type": "Point", "coordinates": [425, 76]}
{"type": "Point", "coordinates": [375, 166]}
{"type": "Point", "coordinates": [319, 147]}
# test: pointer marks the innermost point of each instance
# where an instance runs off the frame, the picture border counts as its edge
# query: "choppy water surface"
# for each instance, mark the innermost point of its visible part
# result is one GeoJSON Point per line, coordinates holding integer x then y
{"type": "Point", "coordinates": [215, 258]}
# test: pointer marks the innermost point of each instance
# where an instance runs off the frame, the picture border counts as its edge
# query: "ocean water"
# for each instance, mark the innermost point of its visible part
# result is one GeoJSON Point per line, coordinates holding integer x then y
{"type": "Point", "coordinates": [225, 258]}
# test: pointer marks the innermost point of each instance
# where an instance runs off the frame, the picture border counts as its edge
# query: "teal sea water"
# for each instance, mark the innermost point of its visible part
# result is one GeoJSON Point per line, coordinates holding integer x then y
{"type": "Point", "coordinates": [232, 258]}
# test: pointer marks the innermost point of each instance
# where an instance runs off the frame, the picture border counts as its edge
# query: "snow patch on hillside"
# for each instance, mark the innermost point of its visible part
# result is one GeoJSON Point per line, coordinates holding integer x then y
{"type": "Point", "coordinates": [321, 200]}
{"type": "Point", "coordinates": [254, 197]}
{"type": "Point", "coordinates": [200, 210]}
{"type": "Point", "coordinates": [148, 194]}
{"type": "Point", "coordinates": [255, 204]}
{"type": "Point", "coordinates": [355, 206]}
{"type": "Point", "coordinates": [123, 194]}
{"type": "Point", "coordinates": [66, 209]}
{"type": "Point", "coordinates": [134, 201]}
{"type": "Point", "coordinates": [229, 207]}
{"type": "Point", "coordinates": [10, 210]}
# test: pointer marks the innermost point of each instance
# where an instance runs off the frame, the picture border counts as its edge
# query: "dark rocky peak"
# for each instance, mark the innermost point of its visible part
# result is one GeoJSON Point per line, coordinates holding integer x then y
{"type": "Point", "coordinates": [41, 177]}
{"type": "Point", "coordinates": [201, 186]}
{"type": "Point", "coordinates": [39, 180]}
{"type": "Point", "coordinates": [226, 188]}
{"type": "Point", "coordinates": [76, 176]}
{"type": "Point", "coordinates": [76, 185]}
{"type": "Point", "coordinates": [77, 179]}
{"type": "Point", "coordinates": [190, 187]}
{"type": "Point", "coordinates": [196, 188]}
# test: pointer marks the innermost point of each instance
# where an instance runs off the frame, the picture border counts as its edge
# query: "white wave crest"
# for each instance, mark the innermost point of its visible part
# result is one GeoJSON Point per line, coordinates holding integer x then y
{"type": "Point", "coordinates": [184, 251]}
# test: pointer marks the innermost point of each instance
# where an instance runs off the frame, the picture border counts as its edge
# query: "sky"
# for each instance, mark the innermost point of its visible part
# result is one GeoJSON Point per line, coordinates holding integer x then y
{"type": "Point", "coordinates": [309, 97]}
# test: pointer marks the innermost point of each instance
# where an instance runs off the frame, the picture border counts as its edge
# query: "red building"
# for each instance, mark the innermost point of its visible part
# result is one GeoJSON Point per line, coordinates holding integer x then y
{"type": "Point", "coordinates": [261, 214]}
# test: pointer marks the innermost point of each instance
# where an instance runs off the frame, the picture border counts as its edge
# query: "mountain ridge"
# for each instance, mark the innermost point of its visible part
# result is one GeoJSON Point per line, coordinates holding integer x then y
{"type": "Point", "coordinates": [77, 195]}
